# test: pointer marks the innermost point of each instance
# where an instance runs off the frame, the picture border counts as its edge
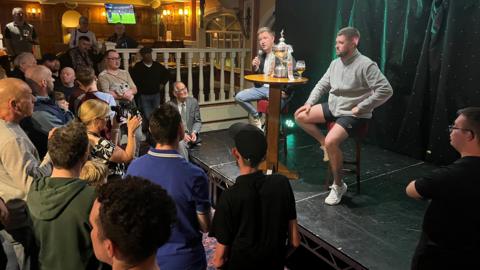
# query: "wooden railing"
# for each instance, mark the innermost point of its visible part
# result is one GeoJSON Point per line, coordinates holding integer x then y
{"type": "Point", "coordinates": [220, 71]}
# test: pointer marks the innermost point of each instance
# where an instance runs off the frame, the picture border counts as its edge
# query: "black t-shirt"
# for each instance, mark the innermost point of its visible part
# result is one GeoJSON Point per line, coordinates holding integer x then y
{"type": "Point", "coordinates": [67, 91]}
{"type": "Point", "coordinates": [149, 79]}
{"type": "Point", "coordinates": [452, 220]}
{"type": "Point", "coordinates": [252, 219]}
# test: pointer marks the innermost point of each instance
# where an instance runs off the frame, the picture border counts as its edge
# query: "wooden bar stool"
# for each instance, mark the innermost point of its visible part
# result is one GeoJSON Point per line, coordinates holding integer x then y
{"type": "Point", "coordinates": [360, 134]}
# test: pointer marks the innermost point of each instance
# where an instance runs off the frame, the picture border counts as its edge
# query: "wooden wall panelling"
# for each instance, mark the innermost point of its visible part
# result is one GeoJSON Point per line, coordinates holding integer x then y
{"type": "Point", "coordinates": [49, 26]}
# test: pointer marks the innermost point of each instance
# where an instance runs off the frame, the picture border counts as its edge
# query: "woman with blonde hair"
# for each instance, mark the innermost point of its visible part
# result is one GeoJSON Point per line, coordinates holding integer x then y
{"type": "Point", "coordinates": [95, 114]}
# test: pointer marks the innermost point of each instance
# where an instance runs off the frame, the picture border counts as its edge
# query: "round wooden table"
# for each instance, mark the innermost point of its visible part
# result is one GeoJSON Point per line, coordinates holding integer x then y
{"type": "Point", "coordinates": [271, 163]}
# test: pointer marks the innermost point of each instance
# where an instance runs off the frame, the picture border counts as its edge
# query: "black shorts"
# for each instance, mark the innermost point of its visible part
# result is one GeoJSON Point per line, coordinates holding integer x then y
{"type": "Point", "coordinates": [349, 123]}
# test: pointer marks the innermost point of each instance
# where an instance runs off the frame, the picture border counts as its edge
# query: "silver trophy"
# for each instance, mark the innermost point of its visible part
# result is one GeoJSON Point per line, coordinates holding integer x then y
{"type": "Point", "coordinates": [281, 52]}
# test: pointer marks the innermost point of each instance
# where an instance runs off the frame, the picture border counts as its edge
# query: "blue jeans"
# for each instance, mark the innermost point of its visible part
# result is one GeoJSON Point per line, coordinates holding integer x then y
{"type": "Point", "coordinates": [244, 97]}
{"type": "Point", "coordinates": [148, 103]}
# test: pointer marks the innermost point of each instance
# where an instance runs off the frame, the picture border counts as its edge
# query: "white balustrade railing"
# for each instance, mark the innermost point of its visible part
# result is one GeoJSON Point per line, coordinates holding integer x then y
{"type": "Point", "coordinates": [209, 61]}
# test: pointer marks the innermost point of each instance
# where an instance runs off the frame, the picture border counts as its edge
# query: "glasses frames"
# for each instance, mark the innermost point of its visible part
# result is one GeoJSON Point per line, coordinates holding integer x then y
{"type": "Point", "coordinates": [452, 128]}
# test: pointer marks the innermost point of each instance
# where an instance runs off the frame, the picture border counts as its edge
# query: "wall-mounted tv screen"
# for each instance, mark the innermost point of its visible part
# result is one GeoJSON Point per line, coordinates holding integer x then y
{"type": "Point", "coordinates": [118, 13]}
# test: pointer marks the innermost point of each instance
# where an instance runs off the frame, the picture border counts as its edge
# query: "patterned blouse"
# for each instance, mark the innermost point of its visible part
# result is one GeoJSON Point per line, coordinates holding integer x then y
{"type": "Point", "coordinates": [102, 152]}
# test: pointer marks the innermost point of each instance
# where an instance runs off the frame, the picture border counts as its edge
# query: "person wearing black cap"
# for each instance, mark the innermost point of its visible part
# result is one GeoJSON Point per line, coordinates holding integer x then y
{"type": "Point", "coordinates": [149, 77]}
{"type": "Point", "coordinates": [255, 218]}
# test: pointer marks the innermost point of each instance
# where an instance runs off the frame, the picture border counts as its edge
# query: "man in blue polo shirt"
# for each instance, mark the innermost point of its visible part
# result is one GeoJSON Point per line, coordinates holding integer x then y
{"type": "Point", "coordinates": [185, 183]}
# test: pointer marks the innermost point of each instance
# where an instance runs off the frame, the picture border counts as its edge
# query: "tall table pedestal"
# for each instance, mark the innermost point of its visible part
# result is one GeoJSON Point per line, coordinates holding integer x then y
{"type": "Point", "coordinates": [271, 162]}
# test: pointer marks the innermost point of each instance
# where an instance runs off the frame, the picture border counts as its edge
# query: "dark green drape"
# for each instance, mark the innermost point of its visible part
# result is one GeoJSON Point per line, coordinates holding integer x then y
{"type": "Point", "coordinates": [428, 49]}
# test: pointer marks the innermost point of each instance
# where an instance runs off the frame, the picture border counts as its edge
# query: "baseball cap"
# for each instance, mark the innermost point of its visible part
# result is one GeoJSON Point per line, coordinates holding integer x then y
{"type": "Point", "coordinates": [249, 141]}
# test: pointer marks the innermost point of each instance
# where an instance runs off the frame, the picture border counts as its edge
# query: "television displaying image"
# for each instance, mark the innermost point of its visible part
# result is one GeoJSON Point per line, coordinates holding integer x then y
{"type": "Point", "coordinates": [118, 13]}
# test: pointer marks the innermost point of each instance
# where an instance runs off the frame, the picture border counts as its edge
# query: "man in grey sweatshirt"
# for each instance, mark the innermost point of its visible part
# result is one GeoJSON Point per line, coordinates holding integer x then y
{"type": "Point", "coordinates": [355, 86]}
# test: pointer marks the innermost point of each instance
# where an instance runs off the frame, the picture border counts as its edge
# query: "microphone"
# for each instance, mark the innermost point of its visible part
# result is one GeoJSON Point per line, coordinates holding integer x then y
{"type": "Point", "coordinates": [259, 54]}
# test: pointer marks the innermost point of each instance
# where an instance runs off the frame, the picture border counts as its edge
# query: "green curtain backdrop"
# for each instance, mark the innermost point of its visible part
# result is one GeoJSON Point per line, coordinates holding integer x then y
{"type": "Point", "coordinates": [428, 49]}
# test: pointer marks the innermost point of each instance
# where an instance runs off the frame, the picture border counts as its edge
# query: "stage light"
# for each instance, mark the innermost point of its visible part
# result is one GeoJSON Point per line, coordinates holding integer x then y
{"type": "Point", "coordinates": [289, 123]}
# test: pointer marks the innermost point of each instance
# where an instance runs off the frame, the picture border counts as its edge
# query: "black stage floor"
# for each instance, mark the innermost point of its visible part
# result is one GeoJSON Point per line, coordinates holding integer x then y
{"type": "Point", "coordinates": [377, 228]}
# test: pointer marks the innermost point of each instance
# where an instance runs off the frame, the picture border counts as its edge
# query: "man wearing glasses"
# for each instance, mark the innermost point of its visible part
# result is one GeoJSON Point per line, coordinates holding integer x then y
{"type": "Point", "coordinates": [120, 85]}
{"type": "Point", "coordinates": [190, 113]}
{"type": "Point", "coordinates": [114, 80]}
{"type": "Point", "coordinates": [450, 237]}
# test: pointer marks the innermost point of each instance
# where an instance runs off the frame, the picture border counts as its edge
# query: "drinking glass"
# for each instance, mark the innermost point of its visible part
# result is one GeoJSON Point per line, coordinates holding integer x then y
{"type": "Point", "coordinates": [300, 67]}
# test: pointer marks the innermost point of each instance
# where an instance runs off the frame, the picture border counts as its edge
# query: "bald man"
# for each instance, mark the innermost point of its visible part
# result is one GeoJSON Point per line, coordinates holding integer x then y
{"type": "Point", "coordinates": [19, 163]}
{"type": "Point", "coordinates": [66, 85]}
{"type": "Point", "coordinates": [46, 114]}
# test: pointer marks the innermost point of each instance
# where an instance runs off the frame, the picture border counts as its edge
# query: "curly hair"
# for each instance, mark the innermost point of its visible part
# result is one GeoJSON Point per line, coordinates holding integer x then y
{"type": "Point", "coordinates": [68, 145]}
{"type": "Point", "coordinates": [164, 124]}
{"type": "Point", "coordinates": [137, 215]}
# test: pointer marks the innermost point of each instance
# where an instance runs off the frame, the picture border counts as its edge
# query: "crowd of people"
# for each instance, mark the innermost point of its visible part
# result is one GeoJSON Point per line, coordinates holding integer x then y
{"type": "Point", "coordinates": [76, 193]}
{"type": "Point", "coordinates": [71, 167]}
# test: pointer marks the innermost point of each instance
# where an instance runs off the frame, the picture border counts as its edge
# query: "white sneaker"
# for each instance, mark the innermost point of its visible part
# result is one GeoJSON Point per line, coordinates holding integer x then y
{"type": "Point", "coordinates": [336, 194]}
{"type": "Point", "coordinates": [256, 121]}
{"type": "Point", "coordinates": [325, 154]}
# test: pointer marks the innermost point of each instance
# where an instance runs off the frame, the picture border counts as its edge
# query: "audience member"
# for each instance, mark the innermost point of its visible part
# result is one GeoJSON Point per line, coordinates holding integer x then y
{"type": "Point", "coordinates": [190, 113]}
{"type": "Point", "coordinates": [94, 172]}
{"type": "Point", "coordinates": [19, 164]}
{"type": "Point", "coordinates": [51, 62]}
{"type": "Point", "coordinates": [450, 237]}
{"type": "Point", "coordinates": [82, 31]}
{"type": "Point", "coordinates": [95, 114]}
{"type": "Point", "coordinates": [46, 113]}
{"type": "Point", "coordinates": [255, 220]}
{"type": "Point", "coordinates": [149, 77]}
{"type": "Point", "coordinates": [21, 63]}
{"type": "Point", "coordinates": [66, 84]}
{"type": "Point", "coordinates": [120, 85]}
{"type": "Point", "coordinates": [116, 81]}
{"type": "Point", "coordinates": [185, 182]}
{"type": "Point", "coordinates": [355, 87]}
{"type": "Point", "coordinates": [60, 100]}
{"type": "Point", "coordinates": [59, 205]}
{"type": "Point", "coordinates": [87, 87]}
{"type": "Point", "coordinates": [19, 35]}
{"type": "Point", "coordinates": [3, 221]}
{"type": "Point", "coordinates": [121, 39]}
{"type": "Point", "coordinates": [114, 217]}
{"type": "Point", "coordinates": [81, 56]}
{"type": "Point", "coordinates": [3, 244]}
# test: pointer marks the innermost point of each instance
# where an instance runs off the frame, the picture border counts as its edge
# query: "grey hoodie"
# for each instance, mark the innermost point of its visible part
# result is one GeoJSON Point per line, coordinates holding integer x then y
{"type": "Point", "coordinates": [356, 81]}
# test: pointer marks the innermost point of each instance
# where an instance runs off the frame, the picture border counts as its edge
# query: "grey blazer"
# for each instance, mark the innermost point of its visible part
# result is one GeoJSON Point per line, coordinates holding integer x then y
{"type": "Point", "coordinates": [194, 121]}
